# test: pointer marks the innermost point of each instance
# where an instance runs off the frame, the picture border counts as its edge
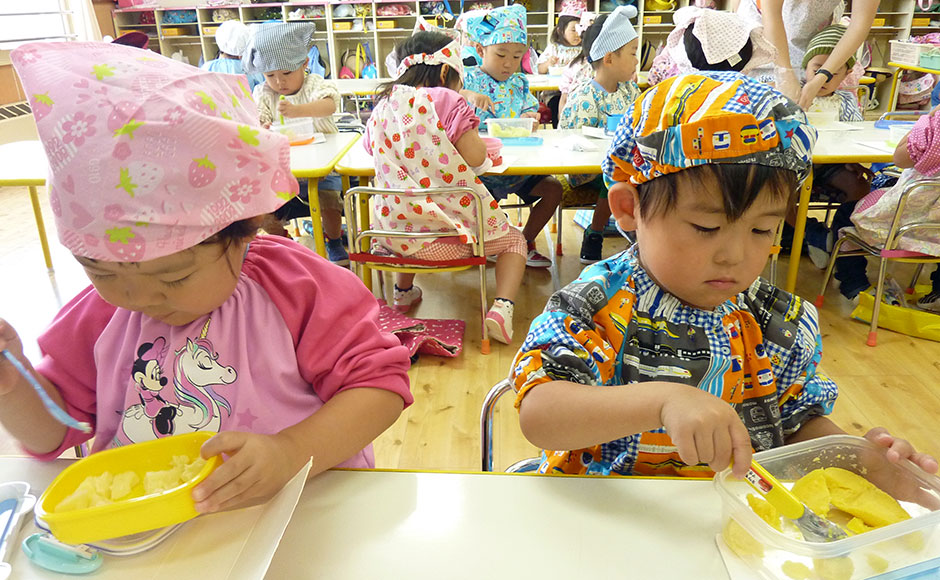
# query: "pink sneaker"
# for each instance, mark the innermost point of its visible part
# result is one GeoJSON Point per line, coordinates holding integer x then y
{"type": "Point", "coordinates": [537, 260]}
{"type": "Point", "coordinates": [499, 321]}
{"type": "Point", "coordinates": [403, 300]}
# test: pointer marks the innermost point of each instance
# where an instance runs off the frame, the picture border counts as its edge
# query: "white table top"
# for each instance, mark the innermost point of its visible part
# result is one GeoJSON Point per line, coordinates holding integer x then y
{"type": "Point", "coordinates": [23, 163]}
{"type": "Point", "coordinates": [318, 159]}
{"type": "Point", "coordinates": [835, 144]}
{"type": "Point", "coordinates": [396, 524]}
{"type": "Point", "coordinates": [545, 159]}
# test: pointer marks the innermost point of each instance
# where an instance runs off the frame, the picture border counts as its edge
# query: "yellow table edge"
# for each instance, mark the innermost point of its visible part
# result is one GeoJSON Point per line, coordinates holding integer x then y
{"type": "Point", "coordinates": [313, 197]}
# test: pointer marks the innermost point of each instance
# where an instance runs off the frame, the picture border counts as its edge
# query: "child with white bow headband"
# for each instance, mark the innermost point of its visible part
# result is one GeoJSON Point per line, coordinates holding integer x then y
{"type": "Point", "coordinates": [423, 134]}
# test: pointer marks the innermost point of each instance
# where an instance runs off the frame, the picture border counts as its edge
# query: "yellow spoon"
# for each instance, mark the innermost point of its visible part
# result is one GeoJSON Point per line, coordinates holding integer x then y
{"type": "Point", "coordinates": [813, 527]}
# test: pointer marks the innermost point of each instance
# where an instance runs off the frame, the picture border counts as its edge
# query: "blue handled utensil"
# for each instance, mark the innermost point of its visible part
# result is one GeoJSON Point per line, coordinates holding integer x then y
{"type": "Point", "coordinates": [57, 413]}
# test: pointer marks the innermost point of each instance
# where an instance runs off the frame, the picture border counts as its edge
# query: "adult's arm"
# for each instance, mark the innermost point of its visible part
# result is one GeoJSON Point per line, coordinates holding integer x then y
{"type": "Point", "coordinates": [863, 15]}
{"type": "Point", "coordinates": [776, 33]}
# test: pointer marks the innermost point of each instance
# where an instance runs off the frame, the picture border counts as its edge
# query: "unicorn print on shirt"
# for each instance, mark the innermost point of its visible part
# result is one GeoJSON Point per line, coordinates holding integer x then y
{"type": "Point", "coordinates": [196, 371]}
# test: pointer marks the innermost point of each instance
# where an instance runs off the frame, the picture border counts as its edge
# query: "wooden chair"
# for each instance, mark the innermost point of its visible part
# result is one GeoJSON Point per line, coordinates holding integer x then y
{"type": "Point", "coordinates": [361, 235]}
{"type": "Point", "coordinates": [889, 251]}
{"type": "Point", "coordinates": [486, 432]}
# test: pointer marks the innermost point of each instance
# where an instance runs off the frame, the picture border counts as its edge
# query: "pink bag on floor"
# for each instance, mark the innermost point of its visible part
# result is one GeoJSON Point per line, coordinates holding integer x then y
{"type": "Point", "coordinates": [423, 336]}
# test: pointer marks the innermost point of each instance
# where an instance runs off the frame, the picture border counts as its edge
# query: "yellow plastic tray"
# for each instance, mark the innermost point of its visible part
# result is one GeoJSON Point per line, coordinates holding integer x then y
{"type": "Point", "coordinates": [141, 512]}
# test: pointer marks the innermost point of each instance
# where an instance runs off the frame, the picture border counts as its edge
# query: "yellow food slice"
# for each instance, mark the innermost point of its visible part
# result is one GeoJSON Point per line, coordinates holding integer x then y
{"type": "Point", "coordinates": [812, 490]}
{"type": "Point", "coordinates": [740, 541]}
{"type": "Point", "coordinates": [762, 508]}
{"type": "Point", "coordinates": [834, 568]}
{"type": "Point", "coordinates": [857, 526]}
{"type": "Point", "coordinates": [876, 562]}
{"type": "Point", "coordinates": [796, 570]}
{"type": "Point", "coordinates": [854, 494]}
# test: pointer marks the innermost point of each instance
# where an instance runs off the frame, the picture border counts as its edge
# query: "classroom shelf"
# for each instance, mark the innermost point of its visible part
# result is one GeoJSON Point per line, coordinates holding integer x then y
{"type": "Point", "coordinates": [897, 15]}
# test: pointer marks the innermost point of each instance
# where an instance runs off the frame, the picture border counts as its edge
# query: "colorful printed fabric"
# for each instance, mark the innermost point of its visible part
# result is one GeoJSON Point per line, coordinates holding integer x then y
{"type": "Point", "coordinates": [590, 105]}
{"type": "Point", "coordinates": [314, 88]}
{"type": "Point", "coordinates": [511, 98]}
{"type": "Point", "coordinates": [503, 25]}
{"type": "Point", "coordinates": [759, 351]}
{"type": "Point", "coordinates": [449, 55]}
{"type": "Point", "coordinates": [709, 117]}
{"type": "Point", "coordinates": [147, 156]}
{"type": "Point", "coordinates": [845, 102]}
{"type": "Point", "coordinates": [411, 150]}
{"type": "Point", "coordinates": [278, 46]}
{"type": "Point", "coordinates": [874, 214]}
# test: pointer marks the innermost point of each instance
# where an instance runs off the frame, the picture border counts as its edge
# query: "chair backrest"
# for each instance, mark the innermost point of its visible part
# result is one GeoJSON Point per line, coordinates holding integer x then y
{"type": "Point", "coordinates": [527, 465]}
{"type": "Point", "coordinates": [486, 422]}
{"type": "Point", "coordinates": [361, 231]}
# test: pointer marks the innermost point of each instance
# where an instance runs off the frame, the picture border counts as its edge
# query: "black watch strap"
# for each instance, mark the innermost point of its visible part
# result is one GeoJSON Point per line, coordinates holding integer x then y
{"type": "Point", "coordinates": [823, 71]}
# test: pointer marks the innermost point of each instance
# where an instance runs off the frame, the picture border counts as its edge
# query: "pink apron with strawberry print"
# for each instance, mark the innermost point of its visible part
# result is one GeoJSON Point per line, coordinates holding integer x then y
{"type": "Point", "coordinates": [411, 151]}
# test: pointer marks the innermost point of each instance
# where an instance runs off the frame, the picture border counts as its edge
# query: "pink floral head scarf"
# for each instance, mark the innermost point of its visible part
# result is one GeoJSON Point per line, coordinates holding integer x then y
{"type": "Point", "coordinates": [147, 156]}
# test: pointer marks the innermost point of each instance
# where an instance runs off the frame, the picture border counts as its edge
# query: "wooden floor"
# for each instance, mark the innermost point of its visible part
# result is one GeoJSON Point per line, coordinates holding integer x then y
{"type": "Point", "coordinates": [896, 384]}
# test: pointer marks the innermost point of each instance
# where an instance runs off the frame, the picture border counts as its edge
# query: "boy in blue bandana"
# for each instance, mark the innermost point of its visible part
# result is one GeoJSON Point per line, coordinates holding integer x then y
{"type": "Point", "coordinates": [505, 93]}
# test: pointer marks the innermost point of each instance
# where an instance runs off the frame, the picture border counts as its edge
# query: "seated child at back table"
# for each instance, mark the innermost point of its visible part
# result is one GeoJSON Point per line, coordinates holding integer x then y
{"type": "Point", "coordinates": [420, 122]}
{"type": "Point", "coordinates": [278, 50]}
{"type": "Point", "coordinates": [191, 323]}
{"type": "Point", "coordinates": [610, 46]}
{"type": "Point", "coordinates": [674, 356]}
{"type": "Point", "coordinates": [836, 182]}
{"type": "Point", "coordinates": [232, 38]}
{"type": "Point", "coordinates": [504, 92]}
{"type": "Point", "coordinates": [918, 153]}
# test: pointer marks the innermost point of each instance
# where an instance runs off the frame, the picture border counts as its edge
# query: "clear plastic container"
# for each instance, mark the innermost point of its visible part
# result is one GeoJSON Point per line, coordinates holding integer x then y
{"type": "Point", "coordinates": [299, 130]}
{"type": "Point", "coordinates": [818, 118]}
{"type": "Point", "coordinates": [897, 132]}
{"type": "Point", "coordinates": [857, 557]}
{"type": "Point", "coordinates": [519, 127]}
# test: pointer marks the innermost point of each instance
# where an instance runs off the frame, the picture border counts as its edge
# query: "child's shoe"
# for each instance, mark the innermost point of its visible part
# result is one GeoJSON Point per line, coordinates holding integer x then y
{"type": "Point", "coordinates": [592, 244]}
{"type": "Point", "coordinates": [535, 259]}
{"type": "Point", "coordinates": [930, 302]}
{"type": "Point", "coordinates": [403, 300]}
{"type": "Point", "coordinates": [499, 320]}
{"type": "Point", "coordinates": [336, 252]}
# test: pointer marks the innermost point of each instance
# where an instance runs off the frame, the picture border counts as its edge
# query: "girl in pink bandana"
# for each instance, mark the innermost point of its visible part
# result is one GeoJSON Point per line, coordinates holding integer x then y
{"type": "Point", "coordinates": [423, 134]}
{"type": "Point", "coordinates": [158, 173]}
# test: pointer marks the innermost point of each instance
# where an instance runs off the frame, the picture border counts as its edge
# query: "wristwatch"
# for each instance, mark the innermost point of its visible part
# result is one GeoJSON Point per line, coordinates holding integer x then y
{"type": "Point", "coordinates": [823, 71]}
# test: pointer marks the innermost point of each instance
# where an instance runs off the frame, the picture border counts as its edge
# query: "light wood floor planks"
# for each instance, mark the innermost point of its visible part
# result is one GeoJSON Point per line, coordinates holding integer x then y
{"type": "Point", "coordinates": [894, 384]}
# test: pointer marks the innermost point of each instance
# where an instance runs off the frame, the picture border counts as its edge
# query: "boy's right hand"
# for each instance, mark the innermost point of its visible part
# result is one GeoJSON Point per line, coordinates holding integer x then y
{"type": "Point", "coordinates": [479, 101]}
{"type": "Point", "coordinates": [9, 340]}
{"type": "Point", "coordinates": [706, 429]}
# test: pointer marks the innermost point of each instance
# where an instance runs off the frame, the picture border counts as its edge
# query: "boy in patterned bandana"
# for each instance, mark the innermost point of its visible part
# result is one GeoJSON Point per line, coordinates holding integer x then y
{"type": "Point", "coordinates": [699, 358]}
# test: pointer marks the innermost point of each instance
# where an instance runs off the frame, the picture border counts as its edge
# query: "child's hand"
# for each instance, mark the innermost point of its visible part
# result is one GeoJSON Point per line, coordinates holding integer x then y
{"type": "Point", "coordinates": [706, 429]}
{"type": "Point", "coordinates": [257, 467]}
{"type": "Point", "coordinates": [535, 116]}
{"type": "Point", "coordinates": [479, 101]}
{"type": "Point", "coordinates": [900, 448]}
{"type": "Point", "coordinates": [287, 109]}
{"type": "Point", "coordinates": [9, 340]}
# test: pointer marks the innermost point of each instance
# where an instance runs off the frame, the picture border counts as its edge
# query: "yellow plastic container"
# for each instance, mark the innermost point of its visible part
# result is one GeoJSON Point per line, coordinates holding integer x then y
{"type": "Point", "coordinates": [653, 19]}
{"type": "Point", "coordinates": [141, 512]}
{"type": "Point", "coordinates": [342, 26]}
{"type": "Point", "coordinates": [385, 24]}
